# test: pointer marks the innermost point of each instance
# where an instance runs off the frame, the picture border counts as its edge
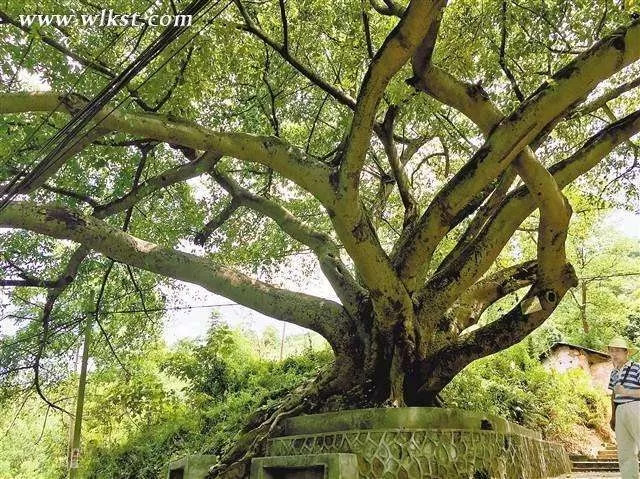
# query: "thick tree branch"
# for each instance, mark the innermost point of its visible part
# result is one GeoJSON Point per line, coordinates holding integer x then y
{"type": "Point", "coordinates": [605, 98]}
{"type": "Point", "coordinates": [216, 222]}
{"type": "Point", "coordinates": [537, 305]}
{"type": "Point", "coordinates": [391, 301]}
{"type": "Point", "coordinates": [202, 164]}
{"type": "Point", "coordinates": [396, 50]}
{"type": "Point", "coordinates": [397, 167]}
{"type": "Point", "coordinates": [506, 139]}
{"type": "Point", "coordinates": [487, 210]}
{"type": "Point", "coordinates": [323, 316]}
{"type": "Point", "coordinates": [470, 261]}
{"type": "Point", "coordinates": [468, 309]}
{"type": "Point", "coordinates": [291, 162]}
{"type": "Point", "coordinates": [325, 249]}
{"type": "Point", "coordinates": [387, 7]}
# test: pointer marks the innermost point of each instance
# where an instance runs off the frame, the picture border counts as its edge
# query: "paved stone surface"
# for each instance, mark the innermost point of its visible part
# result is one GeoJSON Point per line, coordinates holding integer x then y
{"type": "Point", "coordinates": [590, 475]}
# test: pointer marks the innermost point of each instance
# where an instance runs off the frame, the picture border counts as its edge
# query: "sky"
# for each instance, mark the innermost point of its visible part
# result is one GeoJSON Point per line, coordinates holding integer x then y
{"type": "Point", "coordinates": [625, 222]}
{"type": "Point", "coordinates": [194, 323]}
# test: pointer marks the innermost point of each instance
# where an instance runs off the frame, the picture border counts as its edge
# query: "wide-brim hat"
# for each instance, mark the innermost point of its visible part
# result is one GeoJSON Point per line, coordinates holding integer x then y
{"type": "Point", "coordinates": [621, 342]}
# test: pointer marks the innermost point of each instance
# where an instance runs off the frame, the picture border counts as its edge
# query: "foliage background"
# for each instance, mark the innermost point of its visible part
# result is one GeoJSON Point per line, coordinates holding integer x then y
{"type": "Point", "coordinates": [195, 396]}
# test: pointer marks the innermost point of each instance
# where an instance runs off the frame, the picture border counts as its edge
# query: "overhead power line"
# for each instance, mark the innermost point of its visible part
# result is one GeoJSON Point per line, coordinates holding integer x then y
{"type": "Point", "coordinates": [79, 120]}
{"type": "Point", "coordinates": [152, 74]}
{"type": "Point", "coordinates": [79, 78]}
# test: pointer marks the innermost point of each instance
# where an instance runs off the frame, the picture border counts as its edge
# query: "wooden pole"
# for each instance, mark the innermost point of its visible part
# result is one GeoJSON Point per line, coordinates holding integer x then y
{"type": "Point", "coordinates": [77, 428]}
{"type": "Point", "coordinates": [284, 325]}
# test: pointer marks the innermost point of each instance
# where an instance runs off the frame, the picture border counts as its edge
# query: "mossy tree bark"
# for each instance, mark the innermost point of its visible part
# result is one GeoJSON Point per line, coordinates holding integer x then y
{"type": "Point", "coordinates": [397, 331]}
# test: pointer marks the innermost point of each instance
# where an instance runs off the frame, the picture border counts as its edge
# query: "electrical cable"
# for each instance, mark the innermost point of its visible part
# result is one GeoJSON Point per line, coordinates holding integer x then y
{"type": "Point", "coordinates": [48, 116]}
{"type": "Point", "coordinates": [11, 185]}
{"type": "Point", "coordinates": [82, 118]}
{"type": "Point", "coordinates": [128, 98]}
{"type": "Point", "coordinates": [56, 154]}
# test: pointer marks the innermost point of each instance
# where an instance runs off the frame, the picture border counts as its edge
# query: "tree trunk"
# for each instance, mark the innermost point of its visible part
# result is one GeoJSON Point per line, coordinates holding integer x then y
{"type": "Point", "coordinates": [359, 378]}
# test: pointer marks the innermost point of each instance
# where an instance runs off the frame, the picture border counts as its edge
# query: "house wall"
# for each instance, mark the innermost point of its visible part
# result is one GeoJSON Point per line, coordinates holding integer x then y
{"type": "Point", "coordinates": [600, 373]}
{"type": "Point", "coordinates": [563, 358]}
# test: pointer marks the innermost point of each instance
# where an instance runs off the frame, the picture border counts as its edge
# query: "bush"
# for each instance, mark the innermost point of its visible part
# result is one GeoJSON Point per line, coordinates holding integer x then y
{"type": "Point", "coordinates": [514, 385]}
{"type": "Point", "coordinates": [222, 384]}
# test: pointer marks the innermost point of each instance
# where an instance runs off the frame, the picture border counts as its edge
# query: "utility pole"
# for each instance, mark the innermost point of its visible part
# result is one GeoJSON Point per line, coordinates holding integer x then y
{"type": "Point", "coordinates": [284, 325]}
{"type": "Point", "coordinates": [77, 428]}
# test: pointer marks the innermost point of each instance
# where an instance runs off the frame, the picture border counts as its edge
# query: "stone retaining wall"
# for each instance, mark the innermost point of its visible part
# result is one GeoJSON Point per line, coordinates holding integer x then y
{"type": "Point", "coordinates": [443, 443]}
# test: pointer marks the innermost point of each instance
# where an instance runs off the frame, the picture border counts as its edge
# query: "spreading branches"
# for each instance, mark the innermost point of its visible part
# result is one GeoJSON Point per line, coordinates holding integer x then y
{"type": "Point", "coordinates": [503, 46]}
{"type": "Point", "coordinates": [606, 97]}
{"type": "Point", "coordinates": [468, 309]}
{"type": "Point", "coordinates": [387, 180]}
{"type": "Point", "coordinates": [507, 139]}
{"type": "Point", "coordinates": [397, 167]}
{"type": "Point", "coordinates": [397, 48]}
{"type": "Point", "coordinates": [469, 261]}
{"type": "Point", "coordinates": [251, 27]}
{"type": "Point", "coordinates": [323, 316]}
{"type": "Point", "coordinates": [202, 164]}
{"type": "Point", "coordinates": [176, 81]}
{"type": "Point", "coordinates": [97, 66]}
{"type": "Point", "coordinates": [534, 308]}
{"type": "Point", "coordinates": [322, 245]}
{"type": "Point", "coordinates": [391, 301]}
{"type": "Point", "coordinates": [60, 159]}
{"type": "Point", "coordinates": [394, 321]}
{"type": "Point", "coordinates": [291, 162]}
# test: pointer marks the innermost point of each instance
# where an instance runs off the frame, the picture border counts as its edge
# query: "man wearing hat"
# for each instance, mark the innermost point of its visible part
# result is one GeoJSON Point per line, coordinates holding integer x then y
{"type": "Point", "coordinates": [625, 405]}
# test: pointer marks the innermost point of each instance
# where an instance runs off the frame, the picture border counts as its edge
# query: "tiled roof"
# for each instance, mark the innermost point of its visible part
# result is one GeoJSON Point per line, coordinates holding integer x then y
{"type": "Point", "coordinates": [574, 346]}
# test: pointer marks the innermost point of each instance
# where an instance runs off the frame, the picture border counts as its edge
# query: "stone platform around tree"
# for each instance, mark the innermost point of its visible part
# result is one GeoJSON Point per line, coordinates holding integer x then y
{"type": "Point", "coordinates": [190, 467]}
{"type": "Point", "coordinates": [306, 466]}
{"type": "Point", "coordinates": [404, 443]}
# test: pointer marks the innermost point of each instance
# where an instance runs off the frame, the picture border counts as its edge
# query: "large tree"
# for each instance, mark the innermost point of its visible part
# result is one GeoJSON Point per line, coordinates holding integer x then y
{"type": "Point", "coordinates": [401, 145]}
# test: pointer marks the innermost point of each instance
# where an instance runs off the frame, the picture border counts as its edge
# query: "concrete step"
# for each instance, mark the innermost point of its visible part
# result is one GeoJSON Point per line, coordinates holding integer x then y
{"type": "Point", "coordinates": [605, 461]}
{"type": "Point", "coordinates": [582, 457]}
{"type": "Point", "coordinates": [595, 466]}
